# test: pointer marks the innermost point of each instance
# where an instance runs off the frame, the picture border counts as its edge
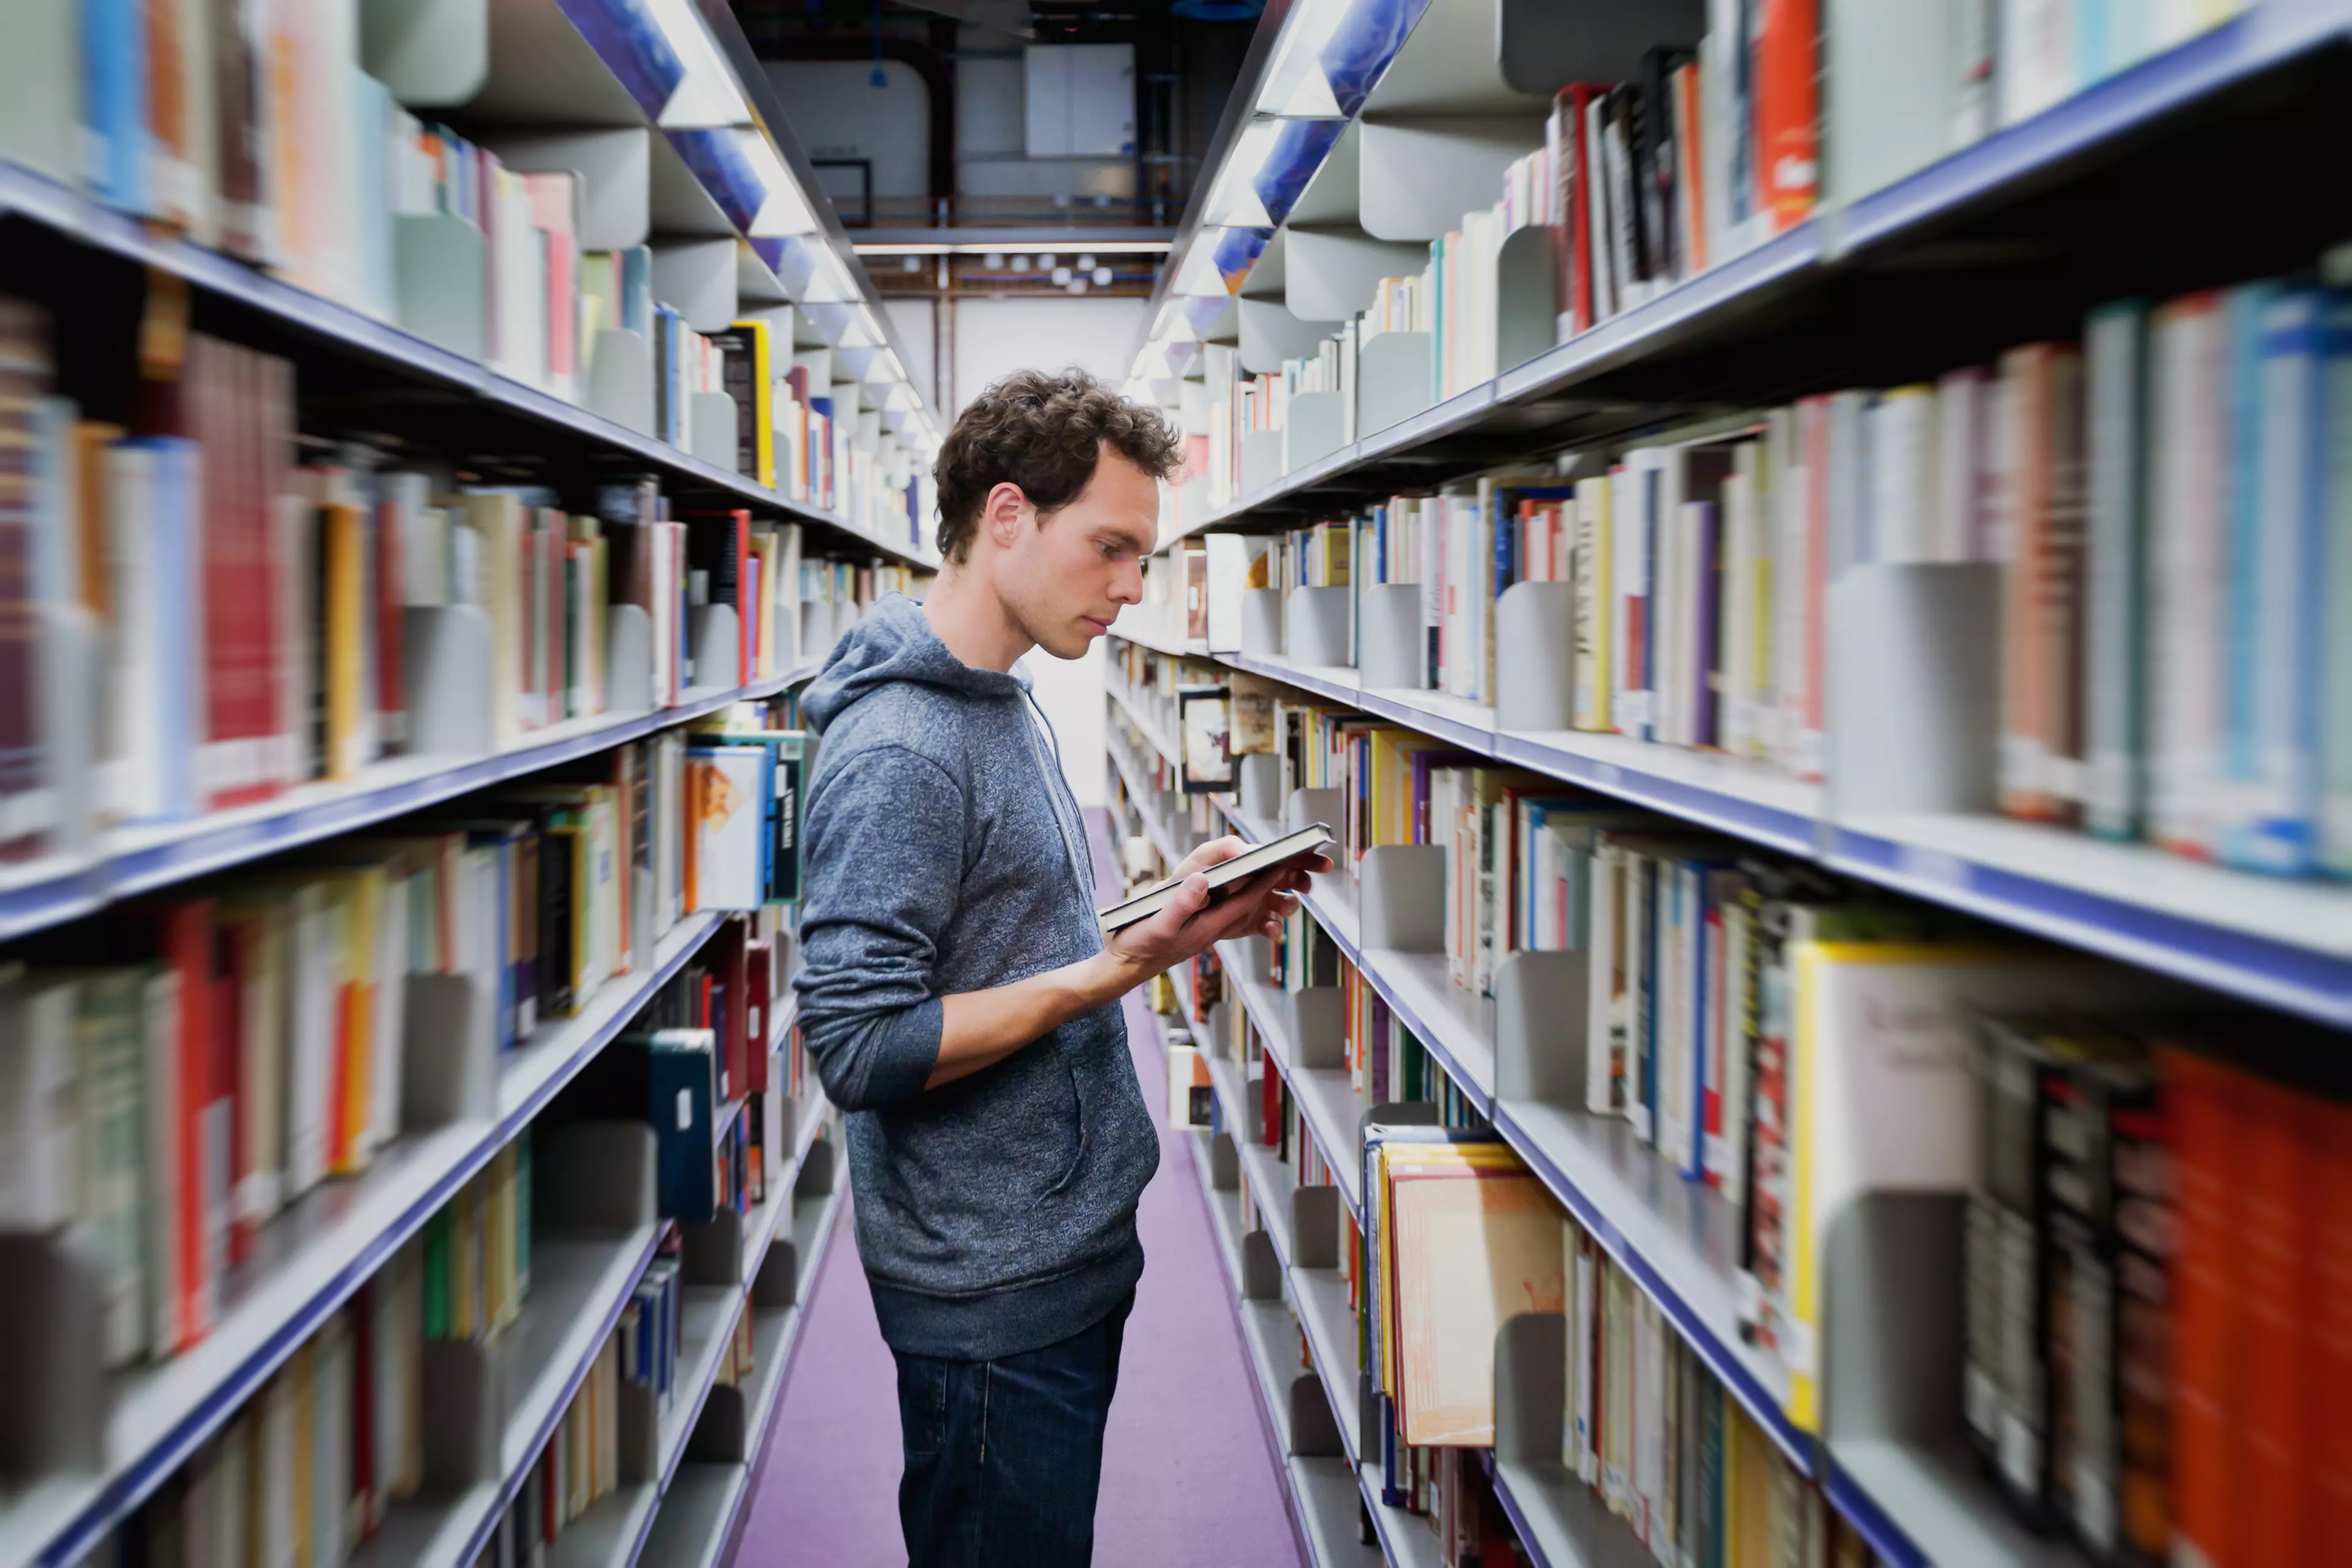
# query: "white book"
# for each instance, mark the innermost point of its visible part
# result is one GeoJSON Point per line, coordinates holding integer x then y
{"type": "Point", "coordinates": [1903, 476]}
{"type": "Point", "coordinates": [392, 962]}
{"type": "Point", "coordinates": [2037, 56]}
{"type": "Point", "coordinates": [1604, 1023]}
{"type": "Point", "coordinates": [314, 975]}
{"type": "Point", "coordinates": [2188, 567]}
{"type": "Point", "coordinates": [1727, 1153]}
{"type": "Point", "coordinates": [41, 1121]}
{"type": "Point", "coordinates": [1958, 524]}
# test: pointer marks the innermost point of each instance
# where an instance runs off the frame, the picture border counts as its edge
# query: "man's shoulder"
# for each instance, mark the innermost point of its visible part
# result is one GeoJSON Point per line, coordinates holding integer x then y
{"type": "Point", "coordinates": [906, 717]}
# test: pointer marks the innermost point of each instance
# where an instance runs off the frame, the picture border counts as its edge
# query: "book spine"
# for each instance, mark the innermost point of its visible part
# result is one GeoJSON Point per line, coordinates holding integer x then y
{"type": "Point", "coordinates": [2114, 580]}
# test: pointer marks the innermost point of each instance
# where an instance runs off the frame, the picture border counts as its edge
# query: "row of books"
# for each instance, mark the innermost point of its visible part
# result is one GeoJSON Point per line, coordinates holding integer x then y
{"type": "Point", "coordinates": [308, 1470]}
{"type": "Point", "coordinates": [252, 613]}
{"type": "Point", "coordinates": [260, 134]}
{"type": "Point", "coordinates": [2155, 499]}
{"type": "Point", "coordinates": [1712, 149]}
{"type": "Point", "coordinates": [310, 1467]}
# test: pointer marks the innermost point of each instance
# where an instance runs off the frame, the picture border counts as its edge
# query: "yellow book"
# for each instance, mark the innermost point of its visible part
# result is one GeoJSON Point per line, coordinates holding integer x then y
{"type": "Point", "coordinates": [1593, 594]}
{"type": "Point", "coordinates": [343, 543]}
{"type": "Point", "coordinates": [303, 1374]}
{"type": "Point", "coordinates": [1748, 1491]}
{"type": "Point", "coordinates": [763, 418]}
{"type": "Point", "coordinates": [1885, 1094]}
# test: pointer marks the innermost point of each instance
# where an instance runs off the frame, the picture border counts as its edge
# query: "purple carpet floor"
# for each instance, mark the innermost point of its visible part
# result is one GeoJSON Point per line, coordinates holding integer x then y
{"type": "Point", "coordinates": [1188, 1479]}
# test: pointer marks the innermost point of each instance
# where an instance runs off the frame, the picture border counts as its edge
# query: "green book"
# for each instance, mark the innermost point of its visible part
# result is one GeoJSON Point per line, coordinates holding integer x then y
{"type": "Point", "coordinates": [437, 1276]}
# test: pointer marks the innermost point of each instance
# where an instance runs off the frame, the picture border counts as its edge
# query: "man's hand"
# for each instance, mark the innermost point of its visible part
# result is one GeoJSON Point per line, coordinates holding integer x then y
{"type": "Point", "coordinates": [1192, 923]}
{"type": "Point", "coordinates": [977, 1027]}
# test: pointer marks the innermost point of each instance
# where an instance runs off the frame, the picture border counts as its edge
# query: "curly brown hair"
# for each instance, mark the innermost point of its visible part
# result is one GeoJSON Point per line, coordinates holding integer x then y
{"type": "Point", "coordinates": [1044, 431]}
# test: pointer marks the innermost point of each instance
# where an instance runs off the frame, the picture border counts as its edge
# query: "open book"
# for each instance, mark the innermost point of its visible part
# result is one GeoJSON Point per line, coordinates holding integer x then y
{"type": "Point", "coordinates": [1264, 858]}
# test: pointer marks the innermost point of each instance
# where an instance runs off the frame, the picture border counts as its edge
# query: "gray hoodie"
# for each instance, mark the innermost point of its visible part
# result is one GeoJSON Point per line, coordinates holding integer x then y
{"type": "Point", "coordinates": [996, 1214]}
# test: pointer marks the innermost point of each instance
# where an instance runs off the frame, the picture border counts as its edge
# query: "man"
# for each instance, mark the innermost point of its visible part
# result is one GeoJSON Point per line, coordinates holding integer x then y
{"type": "Point", "coordinates": [956, 996]}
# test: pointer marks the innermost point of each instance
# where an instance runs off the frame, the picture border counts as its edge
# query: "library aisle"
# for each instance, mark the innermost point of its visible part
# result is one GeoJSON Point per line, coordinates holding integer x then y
{"type": "Point", "coordinates": [1187, 1480]}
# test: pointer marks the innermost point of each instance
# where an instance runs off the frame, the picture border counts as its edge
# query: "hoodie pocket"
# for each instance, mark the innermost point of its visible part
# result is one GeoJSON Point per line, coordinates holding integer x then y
{"type": "Point", "coordinates": [1078, 1125]}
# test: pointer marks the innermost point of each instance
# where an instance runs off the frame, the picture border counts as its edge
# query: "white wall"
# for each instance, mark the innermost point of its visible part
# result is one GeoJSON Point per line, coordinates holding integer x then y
{"type": "Point", "coordinates": [839, 113]}
{"type": "Point", "coordinates": [994, 338]}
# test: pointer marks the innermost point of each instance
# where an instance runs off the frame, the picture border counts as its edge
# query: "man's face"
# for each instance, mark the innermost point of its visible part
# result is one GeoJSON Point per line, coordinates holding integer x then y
{"type": "Point", "coordinates": [1067, 574]}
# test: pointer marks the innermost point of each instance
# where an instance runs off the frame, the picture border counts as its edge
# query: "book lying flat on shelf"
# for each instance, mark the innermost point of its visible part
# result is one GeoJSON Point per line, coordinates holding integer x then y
{"type": "Point", "coordinates": [1264, 858]}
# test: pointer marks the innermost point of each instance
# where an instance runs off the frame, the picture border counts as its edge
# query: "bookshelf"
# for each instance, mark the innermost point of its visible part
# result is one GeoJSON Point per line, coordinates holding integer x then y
{"type": "Point", "coordinates": [430, 363]}
{"type": "Point", "coordinates": [1927, 247]}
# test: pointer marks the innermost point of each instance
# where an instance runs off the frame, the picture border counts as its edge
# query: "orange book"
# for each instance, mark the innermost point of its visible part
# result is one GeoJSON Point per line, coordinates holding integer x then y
{"type": "Point", "coordinates": [2329, 1127]}
{"type": "Point", "coordinates": [2041, 729]}
{"type": "Point", "coordinates": [2274, 1281]}
{"type": "Point", "coordinates": [2206, 1102]}
{"type": "Point", "coordinates": [1787, 154]}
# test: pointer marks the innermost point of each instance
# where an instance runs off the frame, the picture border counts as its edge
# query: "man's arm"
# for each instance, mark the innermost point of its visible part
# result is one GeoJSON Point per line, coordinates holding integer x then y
{"type": "Point", "coordinates": [979, 1028]}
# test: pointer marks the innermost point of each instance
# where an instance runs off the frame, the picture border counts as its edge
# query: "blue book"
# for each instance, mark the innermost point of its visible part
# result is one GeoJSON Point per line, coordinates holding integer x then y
{"type": "Point", "coordinates": [637, 289]}
{"type": "Point", "coordinates": [115, 100]}
{"type": "Point", "coordinates": [2275, 603]}
{"type": "Point", "coordinates": [173, 539]}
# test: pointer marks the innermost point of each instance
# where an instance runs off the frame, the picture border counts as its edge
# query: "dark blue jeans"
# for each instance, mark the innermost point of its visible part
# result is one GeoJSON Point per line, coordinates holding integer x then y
{"type": "Point", "coordinates": [1005, 1457]}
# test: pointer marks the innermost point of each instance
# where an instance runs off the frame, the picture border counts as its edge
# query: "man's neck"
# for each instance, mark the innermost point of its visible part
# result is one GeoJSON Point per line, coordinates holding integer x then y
{"type": "Point", "coordinates": [966, 615]}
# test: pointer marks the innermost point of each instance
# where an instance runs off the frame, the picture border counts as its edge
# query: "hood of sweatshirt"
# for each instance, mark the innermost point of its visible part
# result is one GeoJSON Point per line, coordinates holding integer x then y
{"type": "Point", "coordinates": [894, 642]}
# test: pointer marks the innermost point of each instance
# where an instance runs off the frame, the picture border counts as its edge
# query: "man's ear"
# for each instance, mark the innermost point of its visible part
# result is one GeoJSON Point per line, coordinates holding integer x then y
{"type": "Point", "coordinates": [1002, 513]}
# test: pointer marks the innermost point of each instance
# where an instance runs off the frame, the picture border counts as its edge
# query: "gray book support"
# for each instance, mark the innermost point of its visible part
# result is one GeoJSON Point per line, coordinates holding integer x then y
{"type": "Point", "coordinates": [1333, 272]}
{"type": "Point", "coordinates": [445, 648]}
{"type": "Point", "coordinates": [592, 1175]}
{"type": "Point", "coordinates": [1544, 44]}
{"type": "Point", "coordinates": [1260, 778]}
{"type": "Point", "coordinates": [1401, 896]}
{"type": "Point", "coordinates": [1891, 1344]}
{"type": "Point", "coordinates": [697, 278]}
{"type": "Point", "coordinates": [450, 1053]}
{"type": "Point", "coordinates": [441, 282]}
{"type": "Point", "coordinates": [1317, 1022]}
{"type": "Point", "coordinates": [1314, 1430]}
{"type": "Point", "coordinates": [1307, 806]}
{"type": "Point", "coordinates": [819, 1170]}
{"type": "Point", "coordinates": [461, 1398]}
{"type": "Point", "coordinates": [1260, 463]}
{"type": "Point", "coordinates": [1315, 1227]}
{"type": "Point", "coordinates": [721, 1434]}
{"type": "Point", "coordinates": [1261, 623]}
{"type": "Point", "coordinates": [1416, 168]}
{"type": "Point", "coordinates": [1260, 1268]}
{"type": "Point", "coordinates": [429, 54]}
{"type": "Point", "coordinates": [613, 169]}
{"type": "Point", "coordinates": [1225, 1164]}
{"type": "Point", "coordinates": [1316, 630]}
{"type": "Point", "coordinates": [711, 430]}
{"type": "Point", "coordinates": [1271, 334]}
{"type": "Point", "coordinates": [52, 1361]}
{"type": "Point", "coordinates": [1392, 380]}
{"type": "Point", "coordinates": [1315, 426]}
{"type": "Point", "coordinates": [1391, 653]}
{"type": "Point", "coordinates": [1535, 656]}
{"type": "Point", "coordinates": [716, 639]}
{"type": "Point", "coordinates": [1527, 297]}
{"type": "Point", "coordinates": [1541, 1025]}
{"type": "Point", "coordinates": [816, 629]}
{"type": "Point", "coordinates": [66, 690]}
{"type": "Point", "coordinates": [1530, 1388]}
{"type": "Point", "coordinates": [620, 379]}
{"type": "Point", "coordinates": [639, 1433]}
{"type": "Point", "coordinates": [628, 660]}
{"type": "Point", "coordinates": [1913, 689]}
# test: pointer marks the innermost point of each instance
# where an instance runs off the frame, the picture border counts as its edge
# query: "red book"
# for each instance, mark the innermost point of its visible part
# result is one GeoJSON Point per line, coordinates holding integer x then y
{"type": "Point", "coordinates": [179, 936]}
{"type": "Point", "coordinates": [1270, 1117]}
{"type": "Point", "coordinates": [1788, 156]}
{"type": "Point", "coordinates": [759, 969]}
{"type": "Point", "coordinates": [2210, 1131]}
{"type": "Point", "coordinates": [2328, 1126]}
{"type": "Point", "coordinates": [727, 974]}
{"type": "Point", "coordinates": [2274, 1286]}
{"type": "Point", "coordinates": [1572, 239]}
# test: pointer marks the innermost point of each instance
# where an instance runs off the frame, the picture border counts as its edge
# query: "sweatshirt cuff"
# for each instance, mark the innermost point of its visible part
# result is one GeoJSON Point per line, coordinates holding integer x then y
{"type": "Point", "coordinates": [908, 1051]}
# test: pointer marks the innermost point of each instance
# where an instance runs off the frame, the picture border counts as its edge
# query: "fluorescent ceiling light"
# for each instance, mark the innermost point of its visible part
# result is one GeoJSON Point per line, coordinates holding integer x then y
{"type": "Point", "coordinates": [986, 249]}
{"type": "Point", "coordinates": [1294, 85]}
{"type": "Point", "coordinates": [708, 94]}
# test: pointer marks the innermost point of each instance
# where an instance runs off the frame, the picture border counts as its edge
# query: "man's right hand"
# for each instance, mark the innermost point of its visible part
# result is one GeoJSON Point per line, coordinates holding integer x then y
{"type": "Point", "coordinates": [1192, 922]}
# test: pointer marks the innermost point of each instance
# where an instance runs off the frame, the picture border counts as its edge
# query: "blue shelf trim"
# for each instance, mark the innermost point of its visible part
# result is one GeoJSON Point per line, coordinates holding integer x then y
{"type": "Point", "coordinates": [251, 834]}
